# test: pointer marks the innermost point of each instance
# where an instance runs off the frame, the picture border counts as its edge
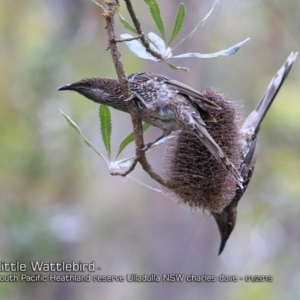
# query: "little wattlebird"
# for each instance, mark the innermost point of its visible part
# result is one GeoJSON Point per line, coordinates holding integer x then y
{"type": "Point", "coordinates": [162, 102]}
{"type": "Point", "coordinates": [197, 179]}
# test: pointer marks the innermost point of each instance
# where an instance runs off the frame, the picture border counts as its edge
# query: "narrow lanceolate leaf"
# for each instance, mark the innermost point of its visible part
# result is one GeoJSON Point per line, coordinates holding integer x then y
{"type": "Point", "coordinates": [99, 4]}
{"type": "Point", "coordinates": [179, 20]}
{"type": "Point", "coordinates": [138, 49]}
{"type": "Point", "coordinates": [177, 67]}
{"type": "Point", "coordinates": [71, 122]}
{"type": "Point", "coordinates": [161, 142]}
{"type": "Point", "coordinates": [226, 52]}
{"type": "Point", "coordinates": [199, 25]}
{"type": "Point", "coordinates": [78, 130]}
{"type": "Point", "coordinates": [209, 13]}
{"type": "Point", "coordinates": [127, 25]}
{"type": "Point", "coordinates": [118, 165]}
{"type": "Point", "coordinates": [105, 126]}
{"type": "Point", "coordinates": [155, 12]}
{"type": "Point", "coordinates": [157, 42]}
{"type": "Point", "coordinates": [129, 139]}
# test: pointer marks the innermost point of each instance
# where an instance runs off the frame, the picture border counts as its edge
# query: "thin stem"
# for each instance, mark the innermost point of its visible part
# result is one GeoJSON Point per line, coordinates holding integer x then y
{"type": "Point", "coordinates": [128, 39]}
{"type": "Point", "coordinates": [136, 119]}
{"type": "Point", "coordinates": [138, 27]}
{"type": "Point", "coordinates": [140, 156]}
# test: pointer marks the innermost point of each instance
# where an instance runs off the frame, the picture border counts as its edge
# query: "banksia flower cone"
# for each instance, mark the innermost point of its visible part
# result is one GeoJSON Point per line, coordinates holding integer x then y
{"type": "Point", "coordinates": [197, 178]}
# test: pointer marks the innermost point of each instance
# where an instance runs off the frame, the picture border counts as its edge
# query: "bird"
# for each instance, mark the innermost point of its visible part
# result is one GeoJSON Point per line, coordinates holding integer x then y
{"type": "Point", "coordinates": [197, 180]}
{"type": "Point", "coordinates": [162, 102]}
{"type": "Point", "coordinates": [226, 220]}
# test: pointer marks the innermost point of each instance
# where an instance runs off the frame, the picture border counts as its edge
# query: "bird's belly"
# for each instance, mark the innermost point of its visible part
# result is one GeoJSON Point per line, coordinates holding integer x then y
{"type": "Point", "coordinates": [163, 121]}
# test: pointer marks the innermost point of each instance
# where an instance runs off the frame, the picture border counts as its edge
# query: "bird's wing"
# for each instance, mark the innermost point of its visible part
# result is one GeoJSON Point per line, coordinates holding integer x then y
{"type": "Point", "coordinates": [141, 77]}
{"type": "Point", "coordinates": [190, 92]}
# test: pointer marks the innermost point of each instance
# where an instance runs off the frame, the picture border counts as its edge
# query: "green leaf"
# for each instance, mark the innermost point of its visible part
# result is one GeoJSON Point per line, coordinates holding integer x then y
{"type": "Point", "coordinates": [99, 5]}
{"type": "Point", "coordinates": [105, 126]}
{"type": "Point", "coordinates": [177, 67]}
{"type": "Point", "coordinates": [199, 24]}
{"type": "Point", "coordinates": [129, 139]}
{"type": "Point", "coordinates": [71, 122]}
{"type": "Point", "coordinates": [127, 25]}
{"type": "Point", "coordinates": [78, 130]}
{"type": "Point", "coordinates": [155, 12]}
{"type": "Point", "coordinates": [179, 20]}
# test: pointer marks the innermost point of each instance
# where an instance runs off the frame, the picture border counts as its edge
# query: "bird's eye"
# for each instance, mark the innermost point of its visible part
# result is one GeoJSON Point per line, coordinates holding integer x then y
{"type": "Point", "coordinates": [229, 225]}
{"type": "Point", "coordinates": [88, 84]}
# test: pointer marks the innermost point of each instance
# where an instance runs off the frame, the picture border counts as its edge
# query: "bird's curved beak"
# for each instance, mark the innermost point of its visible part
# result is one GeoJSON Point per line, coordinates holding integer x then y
{"type": "Point", "coordinates": [67, 87]}
{"type": "Point", "coordinates": [224, 229]}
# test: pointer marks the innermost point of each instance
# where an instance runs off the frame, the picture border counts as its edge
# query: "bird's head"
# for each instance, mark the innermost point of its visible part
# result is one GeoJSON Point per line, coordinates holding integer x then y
{"type": "Point", "coordinates": [226, 221]}
{"type": "Point", "coordinates": [100, 90]}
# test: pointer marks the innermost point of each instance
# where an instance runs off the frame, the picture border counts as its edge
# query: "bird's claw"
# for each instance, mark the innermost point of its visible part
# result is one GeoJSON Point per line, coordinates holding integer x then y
{"type": "Point", "coordinates": [146, 147]}
{"type": "Point", "coordinates": [131, 97]}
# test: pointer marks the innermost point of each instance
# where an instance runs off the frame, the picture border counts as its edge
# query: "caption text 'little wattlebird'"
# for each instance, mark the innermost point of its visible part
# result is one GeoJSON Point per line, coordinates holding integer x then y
{"type": "Point", "coordinates": [162, 102]}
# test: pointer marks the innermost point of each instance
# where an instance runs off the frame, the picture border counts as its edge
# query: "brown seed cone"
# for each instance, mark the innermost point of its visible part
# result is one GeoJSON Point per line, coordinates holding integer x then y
{"type": "Point", "coordinates": [198, 178]}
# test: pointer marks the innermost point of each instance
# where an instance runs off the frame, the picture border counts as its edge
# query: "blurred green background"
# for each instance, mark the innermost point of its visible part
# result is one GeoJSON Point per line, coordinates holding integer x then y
{"type": "Point", "coordinates": [57, 199]}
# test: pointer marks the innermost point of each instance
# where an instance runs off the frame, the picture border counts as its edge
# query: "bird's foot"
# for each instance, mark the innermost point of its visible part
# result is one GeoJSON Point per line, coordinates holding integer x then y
{"type": "Point", "coordinates": [146, 147]}
{"type": "Point", "coordinates": [131, 97]}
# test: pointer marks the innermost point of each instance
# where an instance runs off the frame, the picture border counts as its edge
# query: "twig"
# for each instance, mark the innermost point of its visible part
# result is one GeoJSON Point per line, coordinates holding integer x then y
{"type": "Point", "coordinates": [135, 116]}
{"type": "Point", "coordinates": [136, 119]}
{"type": "Point", "coordinates": [138, 27]}
{"type": "Point", "coordinates": [128, 39]}
{"type": "Point", "coordinates": [109, 16]}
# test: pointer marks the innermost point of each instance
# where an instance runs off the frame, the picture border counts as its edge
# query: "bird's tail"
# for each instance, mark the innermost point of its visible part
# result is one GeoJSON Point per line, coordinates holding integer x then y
{"type": "Point", "coordinates": [256, 117]}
